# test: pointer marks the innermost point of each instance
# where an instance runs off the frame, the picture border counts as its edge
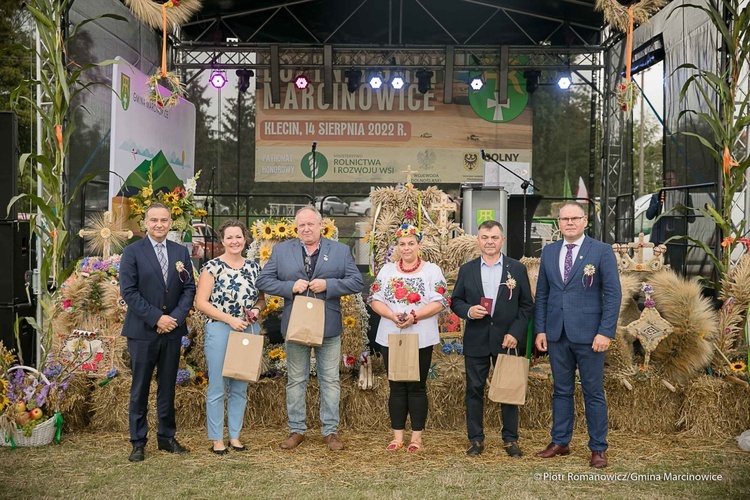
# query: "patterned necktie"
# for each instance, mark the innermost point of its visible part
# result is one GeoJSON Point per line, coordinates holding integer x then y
{"type": "Point", "coordinates": [568, 262]}
{"type": "Point", "coordinates": [163, 260]}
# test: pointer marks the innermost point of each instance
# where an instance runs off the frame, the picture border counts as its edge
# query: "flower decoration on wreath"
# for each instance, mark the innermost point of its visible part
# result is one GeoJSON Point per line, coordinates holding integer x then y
{"type": "Point", "coordinates": [173, 85]}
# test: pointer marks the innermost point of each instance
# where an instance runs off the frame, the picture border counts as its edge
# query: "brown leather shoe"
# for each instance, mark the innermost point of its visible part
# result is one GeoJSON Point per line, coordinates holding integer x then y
{"type": "Point", "coordinates": [294, 440]}
{"type": "Point", "coordinates": [553, 450]}
{"type": "Point", "coordinates": [333, 442]}
{"type": "Point", "coordinates": [598, 459]}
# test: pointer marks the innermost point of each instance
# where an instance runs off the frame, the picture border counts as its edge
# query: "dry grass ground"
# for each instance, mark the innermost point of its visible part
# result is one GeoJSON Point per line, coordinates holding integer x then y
{"type": "Point", "coordinates": [89, 465]}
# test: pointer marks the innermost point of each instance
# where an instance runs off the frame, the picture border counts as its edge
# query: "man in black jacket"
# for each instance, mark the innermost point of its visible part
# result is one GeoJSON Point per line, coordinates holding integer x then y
{"type": "Point", "coordinates": [493, 295]}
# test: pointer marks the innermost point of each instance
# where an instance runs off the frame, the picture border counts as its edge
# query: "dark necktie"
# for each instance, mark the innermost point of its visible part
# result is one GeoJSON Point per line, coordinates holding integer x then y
{"type": "Point", "coordinates": [162, 256]}
{"type": "Point", "coordinates": [568, 262]}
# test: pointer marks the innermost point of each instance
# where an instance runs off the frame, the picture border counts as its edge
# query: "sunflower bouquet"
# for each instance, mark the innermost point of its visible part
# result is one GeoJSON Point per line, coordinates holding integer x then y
{"type": "Point", "coordinates": [179, 201]}
{"type": "Point", "coordinates": [268, 232]}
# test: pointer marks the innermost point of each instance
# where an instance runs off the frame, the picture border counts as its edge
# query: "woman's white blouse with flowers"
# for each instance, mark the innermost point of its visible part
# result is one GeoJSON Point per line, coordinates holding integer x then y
{"type": "Point", "coordinates": [234, 289]}
{"type": "Point", "coordinates": [404, 292]}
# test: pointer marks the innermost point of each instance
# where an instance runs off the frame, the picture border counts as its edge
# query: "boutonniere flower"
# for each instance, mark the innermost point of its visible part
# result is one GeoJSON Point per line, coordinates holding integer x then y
{"type": "Point", "coordinates": [511, 284]}
{"type": "Point", "coordinates": [181, 270]}
{"type": "Point", "coordinates": [588, 272]}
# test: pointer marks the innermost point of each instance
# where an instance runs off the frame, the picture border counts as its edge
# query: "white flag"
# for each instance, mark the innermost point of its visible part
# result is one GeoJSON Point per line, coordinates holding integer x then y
{"type": "Point", "coordinates": [582, 193]}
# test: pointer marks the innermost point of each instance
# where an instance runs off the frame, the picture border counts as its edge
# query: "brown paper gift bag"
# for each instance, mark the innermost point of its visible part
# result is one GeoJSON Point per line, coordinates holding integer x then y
{"type": "Point", "coordinates": [509, 380]}
{"type": "Point", "coordinates": [244, 357]}
{"type": "Point", "coordinates": [307, 322]}
{"type": "Point", "coordinates": [403, 357]}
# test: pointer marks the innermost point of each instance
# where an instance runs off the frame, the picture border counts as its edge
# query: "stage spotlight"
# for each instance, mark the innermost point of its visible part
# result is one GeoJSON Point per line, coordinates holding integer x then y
{"type": "Point", "coordinates": [353, 78]}
{"type": "Point", "coordinates": [477, 83]}
{"type": "Point", "coordinates": [564, 81]}
{"type": "Point", "coordinates": [397, 82]}
{"type": "Point", "coordinates": [376, 80]}
{"type": "Point", "coordinates": [218, 79]}
{"type": "Point", "coordinates": [243, 78]}
{"type": "Point", "coordinates": [532, 80]}
{"type": "Point", "coordinates": [301, 82]}
{"type": "Point", "coordinates": [424, 80]}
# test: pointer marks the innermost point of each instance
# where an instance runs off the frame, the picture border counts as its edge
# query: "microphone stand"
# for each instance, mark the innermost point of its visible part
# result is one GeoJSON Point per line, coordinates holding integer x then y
{"type": "Point", "coordinates": [525, 183]}
{"type": "Point", "coordinates": [314, 172]}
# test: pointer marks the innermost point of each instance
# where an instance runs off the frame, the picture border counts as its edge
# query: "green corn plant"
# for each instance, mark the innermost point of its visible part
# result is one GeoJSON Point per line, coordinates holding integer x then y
{"type": "Point", "coordinates": [726, 117]}
{"type": "Point", "coordinates": [61, 82]}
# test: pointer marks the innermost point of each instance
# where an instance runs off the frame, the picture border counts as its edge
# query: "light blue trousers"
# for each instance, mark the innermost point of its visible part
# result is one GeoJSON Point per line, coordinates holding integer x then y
{"type": "Point", "coordinates": [327, 358]}
{"type": "Point", "coordinates": [217, 336]}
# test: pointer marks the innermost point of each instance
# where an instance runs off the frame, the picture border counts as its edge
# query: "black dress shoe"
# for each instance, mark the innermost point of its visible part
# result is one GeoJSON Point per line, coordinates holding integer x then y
{"type": "Point", "coordinates": [172, 446]}
{"type": "Point", "coordinates": [137, 455]}
{"type": "Point", "coordinates": [477, 447]}
{"type": "Point", "coordinates": [219, 452]}
{"type": "Point", "coordinates": [238, 448]}
{"type": "Point", "coordinates": [513, 449]}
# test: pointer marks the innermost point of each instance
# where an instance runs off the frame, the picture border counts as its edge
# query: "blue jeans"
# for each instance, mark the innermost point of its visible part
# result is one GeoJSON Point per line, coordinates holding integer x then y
{"type": "Point", "coordinates": [327, 357]}
{"type": "Point", "coordinates": [217, 336]}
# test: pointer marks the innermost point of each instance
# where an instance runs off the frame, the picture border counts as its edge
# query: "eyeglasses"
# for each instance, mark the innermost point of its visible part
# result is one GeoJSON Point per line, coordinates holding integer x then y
{"type": "Point", "coordinates": [571, 219]}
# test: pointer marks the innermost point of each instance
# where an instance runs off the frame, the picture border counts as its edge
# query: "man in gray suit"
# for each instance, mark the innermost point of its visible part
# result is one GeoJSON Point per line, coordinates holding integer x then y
{"type": "Point", "coordinates": [327, 269]}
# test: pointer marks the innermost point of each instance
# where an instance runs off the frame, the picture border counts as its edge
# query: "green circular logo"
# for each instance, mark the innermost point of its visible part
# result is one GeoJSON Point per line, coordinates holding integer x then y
{"type": "Point", "coordinates": [485, 103]}
{"type": "Point", "coordinates": [321, 165]}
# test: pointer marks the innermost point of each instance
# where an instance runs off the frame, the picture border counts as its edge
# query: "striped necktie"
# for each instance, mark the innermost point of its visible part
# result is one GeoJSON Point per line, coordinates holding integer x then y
{"type": "Point", "coordinates": [162, 256]}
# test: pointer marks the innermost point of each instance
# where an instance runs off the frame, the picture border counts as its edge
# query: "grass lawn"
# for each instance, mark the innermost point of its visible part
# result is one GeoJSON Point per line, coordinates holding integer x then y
{"type": "Point", "coordinates": [88, 465]}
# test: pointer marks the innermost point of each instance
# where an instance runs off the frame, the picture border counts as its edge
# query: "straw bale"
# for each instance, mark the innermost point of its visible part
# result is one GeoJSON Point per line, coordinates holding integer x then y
{"type": "Point", "coordinates": [688, 350]}
{"type": "Point", "coordinates": [715, 408]}
{"type": "Point", "coordinates": [74, 405]}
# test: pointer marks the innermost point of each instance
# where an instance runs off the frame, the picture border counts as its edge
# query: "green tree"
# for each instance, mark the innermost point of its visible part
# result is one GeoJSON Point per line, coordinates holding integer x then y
{"type": "Point", "coordinates": [17, 65]}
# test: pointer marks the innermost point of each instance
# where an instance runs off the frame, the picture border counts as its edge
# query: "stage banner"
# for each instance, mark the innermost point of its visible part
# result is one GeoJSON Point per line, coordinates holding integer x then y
{"type": "Point", "coordinates": [372, 136]}
{"type": "Point", "coordinates": [144, 137]}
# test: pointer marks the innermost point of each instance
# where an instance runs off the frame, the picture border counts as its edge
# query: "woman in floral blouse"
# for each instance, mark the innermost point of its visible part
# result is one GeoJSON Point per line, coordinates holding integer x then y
{"type": "Point", "coordinates": [408, 295]}
{"type": "Point", "coordinates": [228, 296]}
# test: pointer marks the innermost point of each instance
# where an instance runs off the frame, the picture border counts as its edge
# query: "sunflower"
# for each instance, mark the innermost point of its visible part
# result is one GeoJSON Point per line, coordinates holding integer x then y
{"type": "Point", "coordinates": [176, 210]}
{"type": "Point", "coordinates": [273, 301]}
{"type": "Point", "coordinates": [277, 354]}
{"type": "Point", "coordinates": [349, 321]}
{"type": "Point", "coordinates": [171, 198]}
{"type": "Point", "coordinates": [293, 230]}
{"type": "Point", "coordinates": [265, 252]}
{"type": "Point", "coordinates": [3, 401]}
{"type": "Point", "coordinates": [328, 229]}
{"type": "Point", "coordinates": [199, 213]}
{"type": "Point", "coordinates": [739, 367]}
{"type": "Point", "coordinates": [281, 230]}
{"type": "Point", "coordinates": [201, 378]}
{"type": "Point", "coordinates": [254, 232]}
{"type": "Point", "coordinates": [266, 231]}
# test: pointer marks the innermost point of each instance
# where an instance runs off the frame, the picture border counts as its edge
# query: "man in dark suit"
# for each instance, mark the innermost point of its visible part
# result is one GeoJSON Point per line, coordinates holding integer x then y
{"type": "Point", "coordinates": [577, 305]}
{"type": "Point", "coordinates": [489, 333]}
{"type": "Point", "coordinates": [159, 298]}
{"type": "Point", "coordinates": [327, 269]}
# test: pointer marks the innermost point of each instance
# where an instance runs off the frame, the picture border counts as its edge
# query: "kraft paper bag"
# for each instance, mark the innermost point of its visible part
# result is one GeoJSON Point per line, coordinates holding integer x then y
{"type": "Point", "coordinates": [509, 380]}
{"type": "Point", "coordinates": [244, 357]}
{"type": "Point", "coordinates": [307, 322]}
{"type": "Point", "coordinates": [403, 357]}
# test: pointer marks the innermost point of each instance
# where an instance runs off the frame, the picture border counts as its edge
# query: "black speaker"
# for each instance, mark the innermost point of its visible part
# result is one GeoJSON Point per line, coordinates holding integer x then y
{"type": "Point", "coordinates": [514, 231]}
{"type": "Point", "coordinates": [8, 163]}
{"type": "Point", "coordinates": [15, 260]}
{"type": "Point", "coordinates": [26, 334]}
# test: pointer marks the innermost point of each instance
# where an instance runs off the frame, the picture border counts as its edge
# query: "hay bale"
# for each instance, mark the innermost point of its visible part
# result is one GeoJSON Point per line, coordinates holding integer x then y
{"type": "Point", "coordinates": [74, 406]}
{"type": "Point", "coordinates": [636, 410]}
{"type": "Point", "coordinates": [715, 408]}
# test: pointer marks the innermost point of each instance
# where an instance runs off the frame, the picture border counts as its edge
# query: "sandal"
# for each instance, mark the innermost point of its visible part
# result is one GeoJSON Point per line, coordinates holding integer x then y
{"type": "Point", "coordinates": [394, 445]}
{"type": "Point", "coordinates": [414, 446]}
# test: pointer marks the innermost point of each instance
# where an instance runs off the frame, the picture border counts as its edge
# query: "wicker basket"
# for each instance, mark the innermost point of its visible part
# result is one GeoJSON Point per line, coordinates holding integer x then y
{"type": "Point", "coordinates": [41, 435]}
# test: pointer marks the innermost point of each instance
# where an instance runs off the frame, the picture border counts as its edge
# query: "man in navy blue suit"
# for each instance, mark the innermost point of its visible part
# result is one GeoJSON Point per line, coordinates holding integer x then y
{"type": "Point", "coordinates": [159, 293]}
{"type": "Point", "coordinates": [577, 305]}
{"type": "Point", "coordinates": [489, 333]}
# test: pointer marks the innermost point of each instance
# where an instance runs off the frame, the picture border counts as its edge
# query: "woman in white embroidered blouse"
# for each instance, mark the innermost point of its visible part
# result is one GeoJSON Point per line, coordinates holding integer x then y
{"type": "Point", "coordinates": [408, 295]}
